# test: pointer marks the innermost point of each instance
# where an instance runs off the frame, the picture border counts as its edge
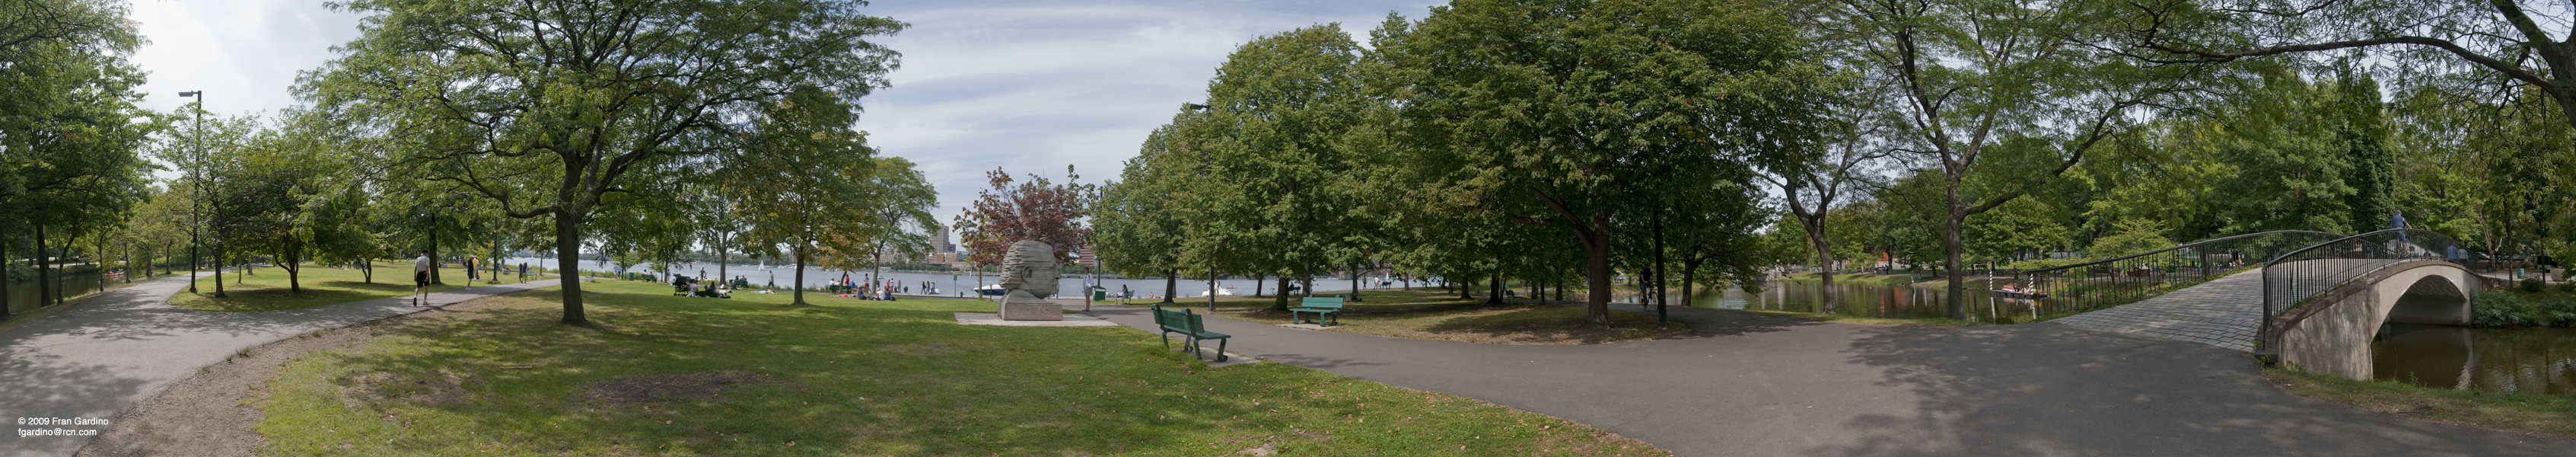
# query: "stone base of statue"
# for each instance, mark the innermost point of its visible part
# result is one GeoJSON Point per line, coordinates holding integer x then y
{"type": "Point", "coordinates": [1020, 306]}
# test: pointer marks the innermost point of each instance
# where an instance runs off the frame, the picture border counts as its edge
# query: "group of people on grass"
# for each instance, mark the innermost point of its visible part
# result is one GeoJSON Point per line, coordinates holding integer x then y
{"type": "Point", "coordinates": [875, 290]}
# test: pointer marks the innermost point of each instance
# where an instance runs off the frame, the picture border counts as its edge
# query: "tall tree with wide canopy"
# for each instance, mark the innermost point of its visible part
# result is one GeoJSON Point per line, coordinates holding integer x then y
{"type": "Point", "coordinates": [1140, 226]}
{"type": "Point", "coordinates": [1543, 108]}
{"type": "Point", "coordinates": [1999, 97]}
{"type": "Point", "coordinates": [544, 106]}
{"type": "Point", "coordinates": [809, 188]}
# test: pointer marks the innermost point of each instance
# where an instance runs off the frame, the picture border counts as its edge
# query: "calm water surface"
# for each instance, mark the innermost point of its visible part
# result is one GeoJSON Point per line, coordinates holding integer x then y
{"type": "Point", "coordinates": [2489, 359]}
{"type": "Point", "coordinates": [1863, 300]}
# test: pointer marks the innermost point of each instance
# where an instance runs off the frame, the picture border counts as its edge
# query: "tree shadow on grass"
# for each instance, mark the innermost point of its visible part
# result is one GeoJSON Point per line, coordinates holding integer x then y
{"type": "Point", "coordinates": [2050, 389]}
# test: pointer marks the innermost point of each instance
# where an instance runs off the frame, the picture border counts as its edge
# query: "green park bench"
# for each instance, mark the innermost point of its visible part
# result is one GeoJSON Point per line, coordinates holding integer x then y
{"type": "Point", "coordinates": [1326, 309]}
{"type": "Point", "coordinates": [1192, 327]}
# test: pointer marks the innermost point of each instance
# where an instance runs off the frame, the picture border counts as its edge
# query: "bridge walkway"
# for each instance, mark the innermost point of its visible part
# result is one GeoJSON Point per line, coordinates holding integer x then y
{"type": "Point", "coordinates": [2226, 312]}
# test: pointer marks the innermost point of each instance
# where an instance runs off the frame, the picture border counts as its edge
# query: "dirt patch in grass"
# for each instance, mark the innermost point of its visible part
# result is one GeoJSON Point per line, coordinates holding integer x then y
{"type": "Point", "coordinates": [2531, 413]}
{"type": "Point", "coordinates": [667, 388]}
{"type": "Point", "coordinates": [365, 388]}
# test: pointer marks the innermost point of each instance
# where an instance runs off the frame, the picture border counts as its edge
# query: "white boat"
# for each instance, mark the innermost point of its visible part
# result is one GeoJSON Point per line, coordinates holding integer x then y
{"type": "Point", "coordinates": [989, 290]}
{"type": "Point", "coordinates": [1226, 292]}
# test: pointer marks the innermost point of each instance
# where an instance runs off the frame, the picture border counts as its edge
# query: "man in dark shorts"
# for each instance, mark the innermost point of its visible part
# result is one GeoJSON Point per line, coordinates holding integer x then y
{"type": "Point", "coordinates": [420, 280]}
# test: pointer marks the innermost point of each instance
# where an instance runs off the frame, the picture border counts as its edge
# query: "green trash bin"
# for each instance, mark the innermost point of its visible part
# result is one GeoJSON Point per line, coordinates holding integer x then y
{"type": "Point", "coordinates": [1099, 294]}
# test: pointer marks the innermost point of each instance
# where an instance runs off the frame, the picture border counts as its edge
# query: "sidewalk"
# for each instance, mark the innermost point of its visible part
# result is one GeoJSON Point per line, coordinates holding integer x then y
{"type": "Point", "coordinates": [96, 359]}
{"type": "Point", "coordinates": [1749, 384]}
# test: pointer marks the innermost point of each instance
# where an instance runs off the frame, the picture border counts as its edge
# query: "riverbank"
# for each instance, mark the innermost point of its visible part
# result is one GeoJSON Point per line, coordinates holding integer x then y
{"type": "Point", "coordinates": [2531, 413]}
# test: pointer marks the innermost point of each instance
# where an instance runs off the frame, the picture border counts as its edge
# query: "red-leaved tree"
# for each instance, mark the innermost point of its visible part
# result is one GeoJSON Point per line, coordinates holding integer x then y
{"type": "Point", "coordinates": [1036, 209]}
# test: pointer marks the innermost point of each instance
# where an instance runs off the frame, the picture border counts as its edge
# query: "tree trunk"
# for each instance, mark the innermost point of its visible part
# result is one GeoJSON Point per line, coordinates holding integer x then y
{"type": "Point", "coordinates": [567, 257]}
{"type": "Point", "coordinates": [217, 259]}
{"type": "Point", "coordinates": [1172, 284]}
{"type": "Point", "coordinates": [724, 258]}
{"type": "Point", "coordinates": [1661, 313]}
{"type": "Point", "coordinates": [435, 262]}
{"type": "Point", "coordinates": [800, 274]}
{"type": "Point", "coordinates": [1279, 303]}
{"type": "Point", "coordinates": [1355, 283]}
{"type": "Point", "coordinates": [1596, 250]}
{"type": "Point", "coordinates": [1494, 290]}
{"type": "Point", "coordinates": [46, 291]}
{"type": "Point", "coordinates": [4, 280]}
{"type": "Point", "coordinates": [294, 265]}
{"type": "Point", "coordinates": [1824, 256]}
{"type": "Point", "coordinates": [1306, 279]}
{"type": "Point", "coordinates": [1958, 290]}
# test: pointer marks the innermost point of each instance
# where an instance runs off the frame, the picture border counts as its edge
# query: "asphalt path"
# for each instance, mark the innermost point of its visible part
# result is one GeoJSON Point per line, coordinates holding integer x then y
{"type": "Point", "coordinates": [1753, 385]}
{"type": "Point", "coordinates": [96, 359]}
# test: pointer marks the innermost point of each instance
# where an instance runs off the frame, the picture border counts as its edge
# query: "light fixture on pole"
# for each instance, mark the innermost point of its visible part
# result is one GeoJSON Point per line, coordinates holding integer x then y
{"type": "Point", "coordinates": [200, 182]}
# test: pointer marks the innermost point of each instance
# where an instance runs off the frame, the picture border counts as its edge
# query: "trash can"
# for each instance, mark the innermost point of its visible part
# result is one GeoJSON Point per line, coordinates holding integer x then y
{"type": "Point", "coordinates": [1099, 294]}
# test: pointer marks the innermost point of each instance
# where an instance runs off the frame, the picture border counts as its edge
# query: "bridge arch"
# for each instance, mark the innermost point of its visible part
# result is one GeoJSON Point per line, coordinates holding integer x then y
{"type": "Point", "coordinates": [2332, 332]}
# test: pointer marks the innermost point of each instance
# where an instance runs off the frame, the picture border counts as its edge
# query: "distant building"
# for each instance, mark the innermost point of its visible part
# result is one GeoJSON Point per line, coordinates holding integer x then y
{"type": "Point", "coordinates": [1082, 255]}
{"type": "Point", "coordinates": [939, 240]}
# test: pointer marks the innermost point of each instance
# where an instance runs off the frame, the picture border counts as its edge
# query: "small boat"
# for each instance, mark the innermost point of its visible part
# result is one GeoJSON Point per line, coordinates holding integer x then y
{"type": "Point", "coordinates": [2018, 293]}
{"type": "Point", "coordinates": [990, 290]}
{"type": "Point", "coordinates": [1225, 292]}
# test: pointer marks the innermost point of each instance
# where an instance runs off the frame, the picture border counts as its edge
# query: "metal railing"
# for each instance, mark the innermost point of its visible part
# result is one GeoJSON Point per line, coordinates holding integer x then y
{"type": "Point", "coordinates": [2294, 277]}
{"type": "Point", "coordinates": [2128, 279]}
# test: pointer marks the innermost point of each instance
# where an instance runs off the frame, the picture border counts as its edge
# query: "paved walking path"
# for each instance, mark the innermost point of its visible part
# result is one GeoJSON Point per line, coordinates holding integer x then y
{"type": "Point", "coordinates": [2225, 312]}
{"type": "Point", "coordinates": [97, 358]}
{"type": "Point", "coordinates": [1746, 384]}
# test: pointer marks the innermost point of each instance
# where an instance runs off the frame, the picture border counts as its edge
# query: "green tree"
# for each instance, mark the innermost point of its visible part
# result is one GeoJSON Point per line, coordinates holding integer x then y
{"type": "Point", "coordinates": [808, 187]}
{"type": "Point", "coordinates": [1541, 111]}
{"type": "Point", "coordinates": [1141, 223]}
{"type": "Point", "coordinates": [487, 95]}
{"type": "Point", "coordinates": [1999, 96]}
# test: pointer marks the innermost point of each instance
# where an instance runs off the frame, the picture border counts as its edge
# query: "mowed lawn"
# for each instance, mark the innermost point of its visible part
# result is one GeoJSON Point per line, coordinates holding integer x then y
{"type": "Point", "coordinates": [663, 375]}
{"type": "Point", "coordinates": [1431, 314]}
{"type": "Point", "coordinates": [265, 289]}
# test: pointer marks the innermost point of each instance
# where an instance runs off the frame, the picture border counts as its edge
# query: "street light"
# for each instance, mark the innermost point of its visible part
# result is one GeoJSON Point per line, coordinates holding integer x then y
{"type": "Point", "coordinates": [196, 165]}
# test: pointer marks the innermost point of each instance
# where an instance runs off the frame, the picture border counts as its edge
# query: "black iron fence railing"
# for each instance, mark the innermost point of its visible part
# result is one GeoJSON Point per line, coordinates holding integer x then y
{"type": "Point", "coordinates": [2295, 276]}
{"type": "Point", "coordinates": [2128, 279]}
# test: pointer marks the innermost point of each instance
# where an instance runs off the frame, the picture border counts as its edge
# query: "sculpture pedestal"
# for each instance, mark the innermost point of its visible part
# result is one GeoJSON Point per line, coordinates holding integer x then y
{"type": "Point", "coordinates": [1022, 308]}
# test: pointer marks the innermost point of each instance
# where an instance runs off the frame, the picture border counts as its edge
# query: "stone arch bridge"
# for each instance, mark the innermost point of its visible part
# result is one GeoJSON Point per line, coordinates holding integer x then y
{"type": "Point", "coordinates": [2315, 305]}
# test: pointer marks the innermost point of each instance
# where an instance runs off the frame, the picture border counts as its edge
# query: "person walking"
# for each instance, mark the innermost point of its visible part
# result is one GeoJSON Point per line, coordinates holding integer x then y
{"type": "Point", "coordinates": [420, 280]}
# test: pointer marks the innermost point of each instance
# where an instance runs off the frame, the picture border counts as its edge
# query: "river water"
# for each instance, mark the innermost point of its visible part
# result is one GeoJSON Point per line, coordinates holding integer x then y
{"type": "Point", "coordinates": [961, 283]}
{"type": "Point", "coordinates": [1920, 300]}
{"type": "Point", "coordinates": [2489, 359]}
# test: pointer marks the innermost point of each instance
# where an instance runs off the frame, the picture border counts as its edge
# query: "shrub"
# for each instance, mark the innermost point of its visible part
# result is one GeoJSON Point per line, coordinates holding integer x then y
{"type": "Point", "coordinates": [2560, 310]}
{"type": "Point", "coordinates": [2499, 310]}
{"type": "Point", "coordinates": [2569, 286]}
{"type": "Point", "coordinates": [2531, 285]}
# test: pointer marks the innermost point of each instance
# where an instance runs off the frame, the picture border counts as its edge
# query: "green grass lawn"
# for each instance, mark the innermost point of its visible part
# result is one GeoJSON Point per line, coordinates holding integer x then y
{"type": "Point", "coordinates": [2533, 413]}
{"type": "Point", "coordinates": [266, 288]}
{"type": "Point", "coordinates": [662, 375]}
{"type": "Point", "coordinates": [1435, 315]}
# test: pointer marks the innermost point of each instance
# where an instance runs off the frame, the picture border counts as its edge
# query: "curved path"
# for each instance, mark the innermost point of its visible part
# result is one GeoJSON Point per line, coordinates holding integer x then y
{"type": "Point", "coordinates": [102, 356]}
{"type": "Point", "coordinates": [1747, 384]}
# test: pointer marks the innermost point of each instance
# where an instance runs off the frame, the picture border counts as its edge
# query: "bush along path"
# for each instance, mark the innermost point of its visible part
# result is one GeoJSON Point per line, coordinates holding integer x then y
{"type": "Point", "coordinates": [87, 364]}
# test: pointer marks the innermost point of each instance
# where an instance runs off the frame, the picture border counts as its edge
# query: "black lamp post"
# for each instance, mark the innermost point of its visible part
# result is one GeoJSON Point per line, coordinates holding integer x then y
{"type": "Point", "coordinates": [196, 165]}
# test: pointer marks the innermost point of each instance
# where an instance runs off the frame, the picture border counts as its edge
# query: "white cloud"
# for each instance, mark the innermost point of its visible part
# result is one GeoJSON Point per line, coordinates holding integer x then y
{"type": "Point", "coordinates": [1028, 85]}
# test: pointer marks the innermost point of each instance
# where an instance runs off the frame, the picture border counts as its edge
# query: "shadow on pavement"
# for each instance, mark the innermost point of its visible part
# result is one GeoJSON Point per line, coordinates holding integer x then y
{"type": "Point", "coordinates": [2049, 389]}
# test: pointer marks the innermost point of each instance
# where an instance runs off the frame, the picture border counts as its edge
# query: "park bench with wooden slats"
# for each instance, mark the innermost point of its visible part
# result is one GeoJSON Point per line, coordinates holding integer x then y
{"type": "Point", "coordinates": [1326, 309]}
{"type": "Point", "coordinates": [1193, 329]}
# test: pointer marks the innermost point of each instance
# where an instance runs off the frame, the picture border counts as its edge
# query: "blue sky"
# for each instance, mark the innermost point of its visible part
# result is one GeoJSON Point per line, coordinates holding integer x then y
{"type": "Point", "coordinates": [1031, 86]}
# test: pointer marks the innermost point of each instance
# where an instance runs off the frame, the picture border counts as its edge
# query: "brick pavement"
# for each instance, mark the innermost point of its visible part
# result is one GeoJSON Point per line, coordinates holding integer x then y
{"type": "Point", "coordinates": [2224, 313]}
